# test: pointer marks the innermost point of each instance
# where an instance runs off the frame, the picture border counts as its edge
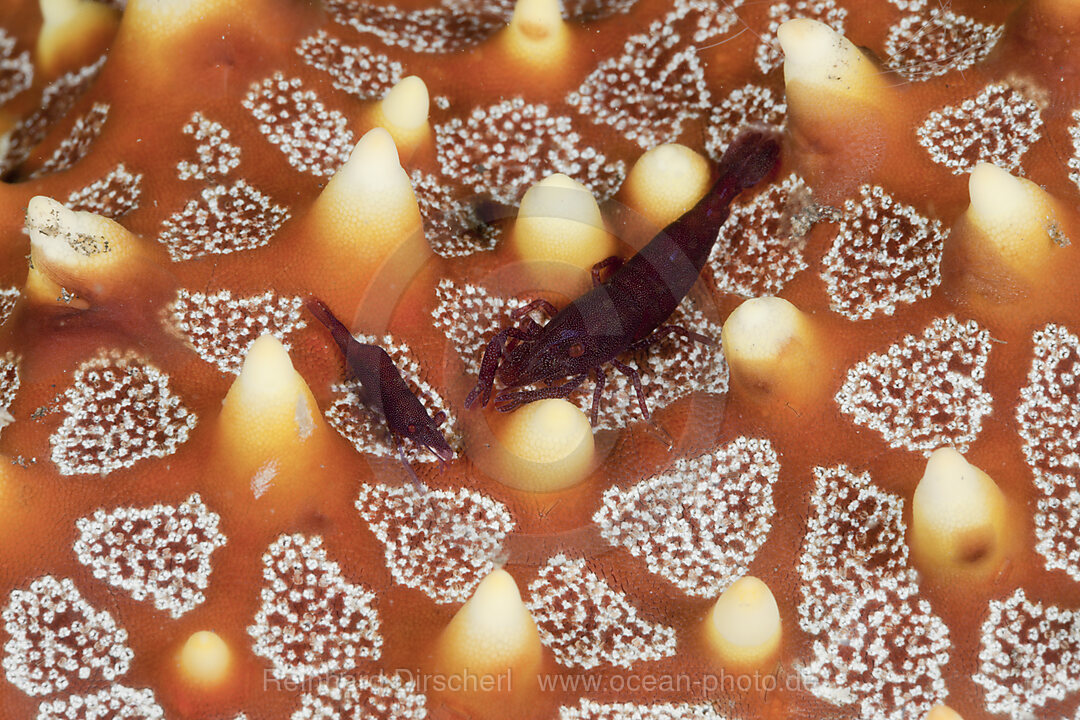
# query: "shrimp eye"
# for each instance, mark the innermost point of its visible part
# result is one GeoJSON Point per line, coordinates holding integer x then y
{"type": "Point", "coordinates": [411, 428]}
{"type": "Point", "coordinates": [576, 350]}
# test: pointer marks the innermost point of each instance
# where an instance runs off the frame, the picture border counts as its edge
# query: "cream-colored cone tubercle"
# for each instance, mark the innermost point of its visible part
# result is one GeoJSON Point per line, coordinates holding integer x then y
{"type": "Point", "coordinates": [269, 420]}
{"type": "Point", "coordinates": [73, 33]}
{"type": "Point", "coordinates": [665, 182]}
{"type": "Point", "coordinates": [942, 712]}
{"type": "Point", "coordinates": [492, 632]}
{"type": "Point", "coordinates": [1013, 218]}
{"type": "Point", "coordinates": [560, 221]}
{"type": "Point", "coordinates": [368, 210]}
{"type": "Point", "coordinates": [544, 446]}
{"type": "Point", "coordinates": [84, 254]}
{"type": "Point", "coordinates": [822, 65]}
{"type": "Point", "coordinates": [205, 660]}
{"type": "Point", "coordinates": [404, 112]}
{"type": "Point", "coordinates": [771, 348]}
{"type": "Point", "coordinates": [743, 628]}
{"type": "Point", "coordinates": [537, 34]}
{"type": "Point", "coordinates": [958, 514]}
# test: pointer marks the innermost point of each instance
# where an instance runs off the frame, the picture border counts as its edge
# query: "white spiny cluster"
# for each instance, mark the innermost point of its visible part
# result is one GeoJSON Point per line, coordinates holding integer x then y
{"type": "Point", "coordinates": [118, 410]}
{"type": "Point", "coordinates": [74, 147]}
{"type": "Point", "coordinates": [997, 126]}
{"type": "Point", "coordinates": [365, 427]}
{"type": "Point", "coordinates": [9, 296]}
{"type": "Point", "coordinates": [769, 55]}
{"type": "Point", "coordinates": [56, 99]}
{"type": "Point", "coordinates": [885, 653]}
{"type": "Point", "coordinates": [160, 552]}
{"type": "Point", "coordinates": [700, 524]}
{"type": "Point", "coordinates": [648, 91]}
{"type": "Point", "coordinates": [877, 644]}
{"type": "Point", "coordinates": [1030, 654]}
{"type": "Point", "coordinates": [854, 539]}
{"type": "Point", "coordinates": [56, 637]}
{"type": "Point", "coordinates": [925, 392]}
{"type": "Point", "coordinates": [469, 315]}
{"type": "Point", "coordinates": [112, 196]}
{"type": "Point", "coordinates": [586, 623]}
{"type": "Point", "coordinates": [374, 697]}
{"type": "Point", "coordinates": [311, 621]}
{"type": "Point", "coordinates": [16, 70]}
{"type": "Point", "coordinates": [221, 327]}
{"type": "Point", "coordinates": [9, 381]}
{"type": "Point", "coordinates": [506, 148]}
{"type": "Point", "coordinates": [760, 247]}
{"type": "Point", "coordinates": [314, 138]}
{"type": "Point", "coordinates": [885, 253]}
{"type": "Point", "coordinates": [1049, 418]}
{"type": "Point", "coordinates": [216, 155]}
{"type": "Point", "coordinates": [922, 46]}
{"type": "Point", "coordinates": [439, 29]}
{"type": "Point", "coordinates": [357, 70]}
{"type": "Point", "coordinates": [910, 5]}
{"type": "Point", "coordinates": [223, 219]}
{"type": "Point", "coordinates": [442, 542]}
{"type": "Point", "coordinates": [743, 106]}
{"type": "Point", "coordinates": [448, 226]}
{"type": "Point", "coordinates": [670, 370]}
{"type": "Point", "coordinates": [1074, 159]}
{"type": "Point", "coordinates": [115, 702]}
{"type": "Point", "coordinates": [591, 710]}
{"type": "Point", "coordinates": [703, 21]}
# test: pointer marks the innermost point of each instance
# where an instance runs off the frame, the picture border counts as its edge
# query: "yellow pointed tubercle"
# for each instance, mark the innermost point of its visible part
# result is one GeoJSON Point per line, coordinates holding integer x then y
{"type": "Point", "coordinates": [368, 209]}
{"type": "Point", "coordinates": [843, 113]}
{"type": "Point", "coordinates": [772, 351]}
{"type": "Point", "coordinates": [404, 112]}
{"type": "Point", "coordinates": [270, 426]}
{"type": "Point", "coordinates": [73, 33]}
{"type": "Point", "coordinates": [79, 258]}
{"type": "Point", "coordinates": [492, 636]}
{"type": "Point", "coordinates": [942, 712]}
{"type": "Point", "coordinates": [743, 628]}
{"type": "Point", "coordinates": [821, 65]}
{"type": "Point", "coordinates": [559, 224]}
{"type": "Point", "coordinates": [205, 660]}
{"type": "Point", "coordinates": [544, 446]}
{"type": "Point", "coordinates": [537, 34]}
{"type": "Point", "coordinates": [365, 232]}
{"type": "Point", "coordinates": [959, 517]}
{"type": "Point", "coordinates": [1012, 219]}
{"type": "Point", "coordinates": [665, 182]}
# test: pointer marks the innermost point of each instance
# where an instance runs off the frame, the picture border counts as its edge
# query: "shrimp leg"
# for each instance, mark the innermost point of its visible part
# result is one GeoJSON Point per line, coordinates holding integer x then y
{"type": "Point", "coordinates": [489, 365]}
{"type": "Point", "coordinates": [514, 400]}
{"type": "Point", "coordinates": [614, 262]}
{"type": "Point", "coordinates": [597, 394]}
{"type": "Point", "coordinates": [548, 309]}
{"type": "Point", "coordinates": [635, 378]}
{"type": "Point", "coordinates": [664, 330]}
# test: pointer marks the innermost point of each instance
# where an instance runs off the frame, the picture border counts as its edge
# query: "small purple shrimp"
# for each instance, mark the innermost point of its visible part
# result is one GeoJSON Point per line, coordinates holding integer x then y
{"type": "Point", "coordinates": [385, 390]}
{"type": "Point", "coordinates": [628, 311]}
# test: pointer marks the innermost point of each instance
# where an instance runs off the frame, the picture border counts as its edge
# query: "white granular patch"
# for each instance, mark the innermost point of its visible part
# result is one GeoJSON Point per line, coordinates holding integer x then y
{"type": "Point", "coordinates": [442, 542]}
{"type": "Point", "coordinates": [924, 392]}
{"type": "Point", "coordinates": [161, 552]}
{"type": "Point", "coordinates": [700, 524]}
